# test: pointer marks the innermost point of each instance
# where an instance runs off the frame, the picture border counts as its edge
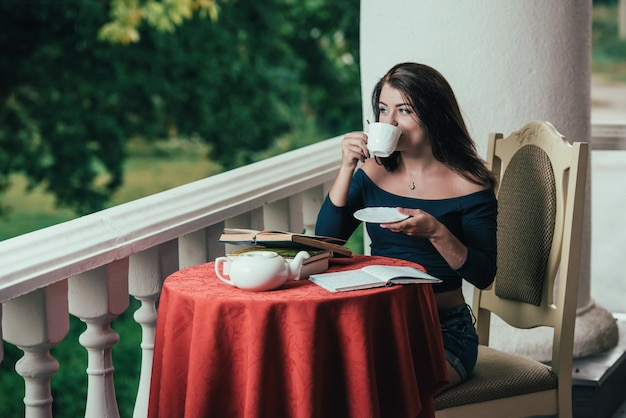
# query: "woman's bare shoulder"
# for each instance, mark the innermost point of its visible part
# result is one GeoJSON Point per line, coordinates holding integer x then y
{"type": "Point", "coordinates": [373, 169]}
{"type": "Point", "coordinates": [449, 184]}
{"type": "Point", "coordinates": [465, 185]}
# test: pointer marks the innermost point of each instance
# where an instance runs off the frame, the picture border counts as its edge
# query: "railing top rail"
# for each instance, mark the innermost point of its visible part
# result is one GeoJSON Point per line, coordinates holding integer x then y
{"type": "Point", "coordinates": [39, 258]}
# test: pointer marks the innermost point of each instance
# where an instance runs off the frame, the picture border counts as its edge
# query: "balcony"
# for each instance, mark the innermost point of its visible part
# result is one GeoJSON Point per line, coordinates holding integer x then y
{"type": "Point", "coordinates": [89, 266]}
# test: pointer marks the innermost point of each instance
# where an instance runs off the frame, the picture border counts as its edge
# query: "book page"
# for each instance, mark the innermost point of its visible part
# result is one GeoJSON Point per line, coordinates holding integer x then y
{"type": "Point", "coordinates": [386, 273]}
{"type": "Point", "coordinates": [346, 279]}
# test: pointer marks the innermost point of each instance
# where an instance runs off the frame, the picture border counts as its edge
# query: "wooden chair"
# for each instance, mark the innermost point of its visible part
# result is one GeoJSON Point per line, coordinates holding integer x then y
{"type": "Point", "coordinates": [540, 191]}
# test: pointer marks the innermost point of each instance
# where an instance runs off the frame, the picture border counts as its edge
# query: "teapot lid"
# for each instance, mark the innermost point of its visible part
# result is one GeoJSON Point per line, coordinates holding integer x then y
{"type": "Point", "coordinates": [260, 254]}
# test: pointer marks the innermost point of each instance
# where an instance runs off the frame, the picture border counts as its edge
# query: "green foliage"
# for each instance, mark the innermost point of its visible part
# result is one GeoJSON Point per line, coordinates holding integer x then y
{"type": "Point", "coordinates": [127, 15]}
{"type": "Point", "coordinates": [60, 123]}
{"type": "Point", "coordinates": [608, 50]}
{"type": "Point", "coordinates": [70, 103]}
{"type": "Point", "coordinates": [11, 384]}
{"type": "Point", "coordinates": [355, 243]}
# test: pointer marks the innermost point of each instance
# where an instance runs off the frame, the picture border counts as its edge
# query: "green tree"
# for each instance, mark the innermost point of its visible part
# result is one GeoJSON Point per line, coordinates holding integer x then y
{"type": "Point", "coordinates": [257, 72]}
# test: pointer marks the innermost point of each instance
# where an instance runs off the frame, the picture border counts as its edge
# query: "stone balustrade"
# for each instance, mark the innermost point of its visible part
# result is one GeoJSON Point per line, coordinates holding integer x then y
{"type": "Point", "coordinates": [89, 266]}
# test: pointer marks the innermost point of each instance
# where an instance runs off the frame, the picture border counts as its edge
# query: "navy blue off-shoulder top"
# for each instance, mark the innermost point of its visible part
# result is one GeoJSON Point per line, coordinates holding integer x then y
{"type": "Point", "coordinates": [471, 218]}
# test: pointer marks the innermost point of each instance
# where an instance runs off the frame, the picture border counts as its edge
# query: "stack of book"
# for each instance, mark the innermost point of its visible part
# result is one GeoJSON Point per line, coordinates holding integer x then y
{"type": "Point", "coordinates": [287, 245]}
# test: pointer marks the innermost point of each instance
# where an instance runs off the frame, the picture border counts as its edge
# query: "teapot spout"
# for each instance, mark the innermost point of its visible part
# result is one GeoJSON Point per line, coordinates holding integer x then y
{"type": "Point", "coordinates": [295, 266]}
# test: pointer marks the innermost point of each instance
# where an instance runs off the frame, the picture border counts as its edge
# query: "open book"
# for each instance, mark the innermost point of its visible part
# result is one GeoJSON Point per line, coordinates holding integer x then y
{"type": "Point", "coordinates": [371, 276]}
{"type": "Point", "coordinates": [281, 239]}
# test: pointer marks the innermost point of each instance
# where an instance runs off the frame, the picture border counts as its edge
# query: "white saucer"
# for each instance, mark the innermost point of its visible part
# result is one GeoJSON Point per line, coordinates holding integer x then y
{"type": "Point", "coordinates": [379, 215]}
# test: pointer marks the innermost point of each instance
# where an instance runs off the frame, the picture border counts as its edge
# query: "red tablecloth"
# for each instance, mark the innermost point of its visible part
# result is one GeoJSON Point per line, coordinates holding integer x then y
{"type": "Point", "coordinates": [299, 351]}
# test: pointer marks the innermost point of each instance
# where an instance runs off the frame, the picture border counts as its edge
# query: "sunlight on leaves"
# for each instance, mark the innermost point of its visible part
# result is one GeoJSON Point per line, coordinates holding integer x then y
{"type": "Point", "coordinates": [163, 15]}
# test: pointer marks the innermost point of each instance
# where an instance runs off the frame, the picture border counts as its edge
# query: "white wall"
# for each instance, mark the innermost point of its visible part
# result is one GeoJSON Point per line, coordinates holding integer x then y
{"type": "Point", "coordinates": [508, 61]}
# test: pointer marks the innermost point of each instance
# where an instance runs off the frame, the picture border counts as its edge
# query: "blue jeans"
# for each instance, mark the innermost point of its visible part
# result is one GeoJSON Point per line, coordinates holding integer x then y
{"type": "Point", "coordinates": [460, 340]}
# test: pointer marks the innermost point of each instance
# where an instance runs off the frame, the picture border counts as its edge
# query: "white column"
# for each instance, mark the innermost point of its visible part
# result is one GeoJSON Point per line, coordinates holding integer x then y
{"type": "Point", "coordinates": [509, 62]}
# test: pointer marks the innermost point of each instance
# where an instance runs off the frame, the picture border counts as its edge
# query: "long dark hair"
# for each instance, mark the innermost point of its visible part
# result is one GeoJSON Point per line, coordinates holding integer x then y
{"type": "Point", "coordinates": [434, 102]}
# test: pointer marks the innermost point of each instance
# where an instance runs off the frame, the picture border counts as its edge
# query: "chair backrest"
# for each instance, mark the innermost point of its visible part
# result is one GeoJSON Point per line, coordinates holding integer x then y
{"type": "Point", "coordinates": [541, 187]}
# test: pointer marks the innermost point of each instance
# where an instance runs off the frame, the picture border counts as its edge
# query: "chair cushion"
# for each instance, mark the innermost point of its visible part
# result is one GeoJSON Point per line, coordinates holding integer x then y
{"type": "Point", "coordinates": [526, 219]}
{"type": "Point", "coordinates": [499, 375]}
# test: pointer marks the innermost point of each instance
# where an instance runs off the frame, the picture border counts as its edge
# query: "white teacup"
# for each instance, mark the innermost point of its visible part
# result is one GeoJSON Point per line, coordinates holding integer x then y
{"type": "Point", "coordinates": [382, 139]}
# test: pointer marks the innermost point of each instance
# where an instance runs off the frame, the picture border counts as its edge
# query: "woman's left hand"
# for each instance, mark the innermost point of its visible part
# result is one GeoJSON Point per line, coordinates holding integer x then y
{"type": "Point", "coordinates": [423, 224]}
{"type": "Point", "coordinates": [419, 224]}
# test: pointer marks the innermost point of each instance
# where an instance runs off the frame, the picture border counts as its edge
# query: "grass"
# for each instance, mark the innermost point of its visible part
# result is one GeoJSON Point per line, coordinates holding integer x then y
{"type": "Point", "coordinates": [29, 211]}
{"type": "Point", "coordinates": [151, 168]}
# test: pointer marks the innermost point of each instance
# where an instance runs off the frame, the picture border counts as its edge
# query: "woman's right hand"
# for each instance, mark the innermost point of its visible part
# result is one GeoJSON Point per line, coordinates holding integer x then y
{"type": "Point", "coordinates": [354, 149]}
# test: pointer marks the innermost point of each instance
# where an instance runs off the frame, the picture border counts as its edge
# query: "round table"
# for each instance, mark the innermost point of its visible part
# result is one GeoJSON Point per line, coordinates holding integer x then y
{"type": "Point", "coordinates": [298, 351]}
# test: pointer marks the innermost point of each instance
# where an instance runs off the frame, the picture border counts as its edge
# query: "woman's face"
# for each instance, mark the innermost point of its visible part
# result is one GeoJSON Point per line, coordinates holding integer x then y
{"type": "Point", "coordinates": [396, 110]}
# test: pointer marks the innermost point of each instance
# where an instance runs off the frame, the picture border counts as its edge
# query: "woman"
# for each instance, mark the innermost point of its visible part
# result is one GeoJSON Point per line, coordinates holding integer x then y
{"type": "Point", "coordinates": [437, 178]}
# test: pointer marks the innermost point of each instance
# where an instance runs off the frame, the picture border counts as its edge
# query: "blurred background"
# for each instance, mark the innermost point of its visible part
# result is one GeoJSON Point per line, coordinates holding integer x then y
{"type": "Point", "coordinates": [103, 105]}
{"type": "Point", "coordinates": [106, 101]}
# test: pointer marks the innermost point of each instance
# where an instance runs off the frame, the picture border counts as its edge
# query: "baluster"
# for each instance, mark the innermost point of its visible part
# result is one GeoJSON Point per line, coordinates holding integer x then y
{"type": "Point", "coordinates": [288, 214]}
{"type": "Point", "coordinates": [192, 248]}
{"type": "Point", "coordinates": [311, 204]}
{"type": "Point", "coordinates": [275, 215]}
{"type": "Point", "coordinates": [215, 248]}
{"type": "Point", "coordinates": [147, 271]}
{"type": "Point", "coordinates": [295, 213]}
{"type": "Point", "coordinates": [200, 246]}
{"type": "Point", "coordinates": [37, 322]}
{"type": "Point", "coordinates": [97, 297]}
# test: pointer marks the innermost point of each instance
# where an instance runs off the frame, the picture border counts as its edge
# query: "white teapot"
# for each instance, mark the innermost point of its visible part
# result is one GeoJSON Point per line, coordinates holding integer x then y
{"type": "Point", "coordinates": [259, 270]}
